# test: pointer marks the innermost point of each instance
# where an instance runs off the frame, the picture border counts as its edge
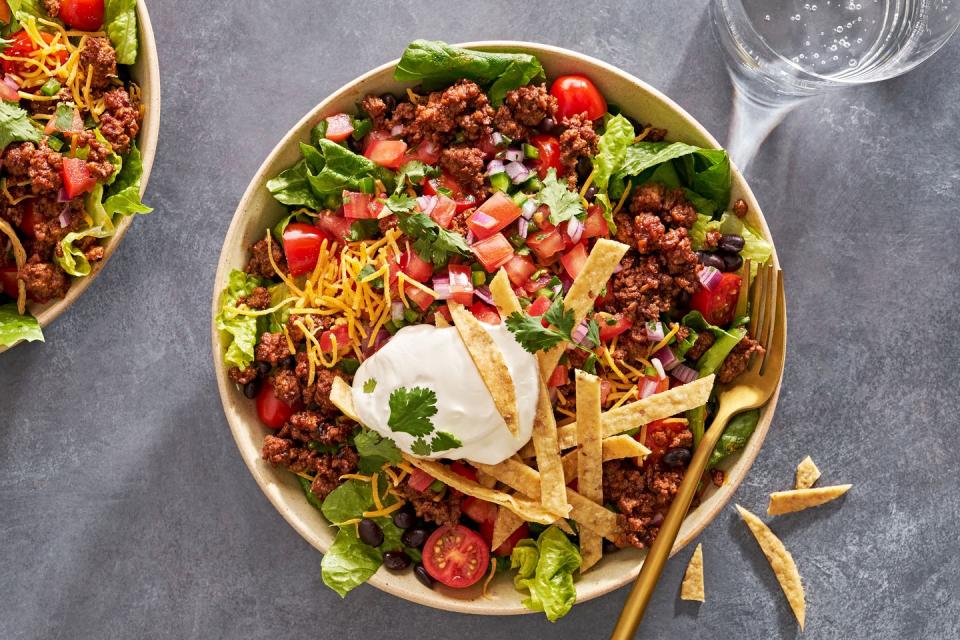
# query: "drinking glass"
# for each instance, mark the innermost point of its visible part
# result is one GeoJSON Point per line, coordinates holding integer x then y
{"type": "Point", "coordinates": [783, 52]}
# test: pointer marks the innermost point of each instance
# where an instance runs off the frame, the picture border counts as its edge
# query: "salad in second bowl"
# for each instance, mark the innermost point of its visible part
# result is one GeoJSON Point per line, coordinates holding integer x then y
{"type": "Point", "coordinates": [487, 331]}
{"type": "Point", "coordinates": [69, 119]}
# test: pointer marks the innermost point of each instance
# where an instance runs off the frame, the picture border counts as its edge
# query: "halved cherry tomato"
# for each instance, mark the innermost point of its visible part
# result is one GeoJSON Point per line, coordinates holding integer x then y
{"type": "Point", "coordinates": [612, 325]}
{"type": "Point", "coordinates": [358, 206]}
{"type": "Point", "coordinates": [456, 556]}
{"type": "Point", "coordinates": [339, 127]}
{"type": "Point", "coordinates": [8, 281]}
{"type": "Point", "coordinates": [272, 411]}
{"type": "Point", "coordinates": [461, 284]}
{"type": "Point", "coordinates": [420, 480]}
{"type": "Point", "coordinates": [83, 15]}
{"type": "Point", "coordinates": [574, 260]}
{"type": "Point", "coordinates": [519, 269]}
{"type": "Point", "coordinates": [386, 153]}
{"type": "Point", "coordinates": [301, 245]}
{"type": "Point", "coordinates": [595, 226]}
{"type": "Point", "coordinates": [559, 377]}
{"type": "Point", "coordinates": [22, 46]}
{"type": "Point", "coordinates": [335, 225]}
{"type": "Point", "coordinates": [548, 149]}
{"type": "Point", "coordinates": [29, 220]}
{"type": "Point", "coordinates": [463, 470]}
{"type": "Point", "coordinates": [577, 94]}
{"type": "Point", "coordinates": [418, 296]}
{"type": "Point", "coordinates": [76, 177]}
{"type": "Point", "coordinates": [545, 242]}
{"type": "Point", "coordinates": [484, 312]}
{"type": "Point", "coordinates": [415, 266]}
{"type": "Point", "coordinates": [719, 305]}
{"type": "Point", "coordinates": [340, 333]}
{"type": "Point", "coordinates": [444, 211]}
{"type": "Point", "coordinates": [494, 214]}
{"type": "Point", "coordinates": [425, 152]}
{"type": "Point", "coordinates": [493, 252]}
{"type": "Point", "coordinates": [461, 199]}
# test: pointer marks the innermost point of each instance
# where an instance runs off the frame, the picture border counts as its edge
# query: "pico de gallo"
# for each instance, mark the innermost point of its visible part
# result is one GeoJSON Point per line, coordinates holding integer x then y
{"type": "Point", "coordinates": [414, 202]}
{"type": "Point", "coordinates": [70, 168]}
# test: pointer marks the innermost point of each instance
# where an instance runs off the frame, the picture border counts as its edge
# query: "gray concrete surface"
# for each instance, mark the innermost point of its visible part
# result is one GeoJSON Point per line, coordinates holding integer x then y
{"type": "Point", "coordinates": [125, 511]}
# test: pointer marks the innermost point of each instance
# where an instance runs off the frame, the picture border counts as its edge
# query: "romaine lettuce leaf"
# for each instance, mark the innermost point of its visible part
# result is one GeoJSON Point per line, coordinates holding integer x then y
{"type": "Point", "coordinates": [123, 196]}
{"type": "Point", "coordinates": [15, 327]}
{"type": "Point", "coordinates": [735, 436]}
{"type": "Point", "coordinates": [755, 247]}
{"type": "Point", "coordinates": [545, 569]}
{"type": "Point", "coordinates": [612, 150]}
{"type": "Point", "coordinates": [241, 328]}
{"type": "Point", "coordinates": [292, 188]}
{"type": "Point", "coordinates": [120, 23]}
{"type": "Point", "coordinates": [348, 562]}
{"type": "Point", "coordinates": [347, 501]}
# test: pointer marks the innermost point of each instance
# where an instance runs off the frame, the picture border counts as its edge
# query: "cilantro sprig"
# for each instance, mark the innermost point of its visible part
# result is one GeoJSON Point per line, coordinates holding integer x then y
{"type": "Point", "coordinates": [411, 412]}
{"type": "Point", "coordinates": [563, 203]}
{"type": "Point", "coordinates": [430, 240]}
{"type": "Point", "coordinates": [533, 336]}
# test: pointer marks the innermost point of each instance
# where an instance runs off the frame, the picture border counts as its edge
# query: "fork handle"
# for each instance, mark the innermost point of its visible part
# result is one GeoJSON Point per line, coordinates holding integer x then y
{"type": "Point", "coordinates": [660, 549]}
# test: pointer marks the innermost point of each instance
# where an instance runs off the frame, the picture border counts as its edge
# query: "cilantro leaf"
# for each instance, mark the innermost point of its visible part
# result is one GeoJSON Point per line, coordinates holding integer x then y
{"type": "Point", "coordinates": [560, 317]}
{"type": "Point", "coordinates": [370, 385]}
{"type": "Point", "coordinates": [15, 125]}
{"type": "Point", "coordinates": [414, 171]}
{"type": "Point", "coordinates": [430, 240]}
{"type": "Point", "coordinates": [411, 410]}
{"type": "Point", "coordinates": [563, 203]}
{"type": "Point", "coordinates": [593, 333]}
{"type": "Point", "coordinates": [420, 447]}
{"type": "Point", "coordinates": [531, 334]}
{"type": "Point", "coordinates": [444, 441]}
{"type": "Point", "coordinates": [400, 203]}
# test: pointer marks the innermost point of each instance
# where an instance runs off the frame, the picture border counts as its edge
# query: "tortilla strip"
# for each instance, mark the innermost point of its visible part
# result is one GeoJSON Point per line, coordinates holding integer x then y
{"type": "Point", "coordinates": [20, 258]}
{"type": "Point", "coordinates": [439, 321]}
{"type": "Point", "coordinates": [589, 460]}
{"type": "Point", "coordinates": [545, 447]}
{"type": "Point", "coordinates": [614, 448]}
{"type": "Point", "coordinates": [488, 358]}
{"type": "Point", "coordinates": [598, 268]}
{"type": "Point", "coordinates": [504, 526]}
{"type": "Point", "coordinates": [341, 395]}
{"type": "Point", "coordinates": [527, 509]}
{"type": "Point", "coordinates": [526, 480]}
{"type": "Point", "coordinates": [486, 481]}
{"type": "Point", "coordinates": [799, 499]}
{"type": "Point", "coordinates": [784, 568]}
{"type": "Point", "coordinates": [634, 414]}
{"type": "Point", "coordinates": [807, 474]}
{"type": "Point", "coordinates": [692, 586]}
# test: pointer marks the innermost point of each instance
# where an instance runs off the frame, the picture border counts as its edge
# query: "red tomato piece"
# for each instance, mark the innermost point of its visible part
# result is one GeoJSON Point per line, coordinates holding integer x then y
{"type": "Point", "coordinates": [484, 312]}
{"type": "Point", "coordinates": [272, 411]}
{"type": "Point", "coordinates": [539, 307]}
{"type": "Point", "coordinates": [595, 226]}
{"type": "Point", "coordinates": [493, 252]}
{"type": "Point", "coordinates": [22, 46]}
{"type": "Point", "coordinates": [719, 305]}
{"type": "Point", "coordinates": [29, 220]}
{"type": "Point", "coordinates": [559, 377]}
{"type": "Point", "coordinates": [456, 556]}
{"type": "Point", "coordinates": [444, 310]}
{"type": "Point", "coordinates": [418, 296]}
{"type": "Point", "coordinates": [548, 149]}
{"type": "Point", "coordinates": [425, 152]}
{"type": "Point", "coordinates": [5, 13]}
{"type": "Point", "coordinates": [612, 325]}
{"type": "Point", "coordinates": [659, 434]}
{"type": "Point", "coordinates": [335, 225]}
{"type": "Point", "coordinates": [76, 177]}
{"type": "Point", "coordinates": [339, 127]}
{"type": "Point", "coordinates": [519, 269]}
{"type": "Point", "coordinates": [574, 260]}
{"type": "Point", "coordinates": [445, 183]}
{"type": "Point", "coordinates": [545, 242]}
{"type": "Point", "coordinates": [577, 94]}
{"type": "Point", "coordinates": [461, 284]}
{"type": "Point", "coordinates": [506, 548]}
{"type": "Point", "coordinates": [387, 153]}
{"type": "Point", "coordinates": [478, 510]}
{"type": "Point", "coordinates": [8, 281]}
{"type": "Point", "coordinates": [341, 334]}
{"type": "Point", "coordinates": [497, 212]}
{"type": "Point", "coordinates": [83, 15]}
{"type": "Point", "coordinates": [420, 480]}
{"type": "Point", "coordinates": [415, 266]}
{"type": "Point", "coordinates": [301, 245]}
{"type": "Point", "coordinates": [444, 211]}
{"type": "Point", "coordinates": [358, 205]}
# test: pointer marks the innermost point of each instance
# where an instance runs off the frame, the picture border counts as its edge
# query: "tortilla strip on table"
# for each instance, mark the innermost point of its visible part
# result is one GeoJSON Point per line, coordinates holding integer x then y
{"type": "Point", "coordinates": [526, 480]}
{"type": "Point", "coordinates": [614, 448]}
{"type": "Point", "coordinates": [589, 460]}
{"type": "Point", "coordinates": [526, 509]}
{"type": "Point", "coordinates": [491, 365]}
{"type": "Point", "coordinates": [545, 447]}
{"type": "Point", "coordinates": [807, 474]}
{"type": "Point", "coordinates": [692, 586]}
{"type": "Point", "coordinates": [586, 287]}
{"type": "Point", "coordinates": [799, 499]}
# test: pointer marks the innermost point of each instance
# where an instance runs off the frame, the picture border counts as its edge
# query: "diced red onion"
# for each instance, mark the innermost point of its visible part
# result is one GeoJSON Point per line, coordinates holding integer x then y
{"type": "Point", "coordinates": [442, 286]}
{"type": "Point", "coordinates": [684, 374]}
{"type": "Point", "coordinates": [667, 358]}
{"type": "Point", "coordinates": [497, 138]}
{"type": "Point", "coordinates": [580, 333]}
{"type": "Point", "coordinates": [513, 155]}
{"type": "Point", "coordinates": [382, 336]}
{"type": "Point", "coordinates": [427, 203]}
{"type": "Point", "coordinates": [522, 227]}
{"type": "Point", "coordinates": [654, 331]}
{"type": "Point", "coordinates": [65, 217]}
{"type": "Point", "coordinates": [396, 311]}
{"type": "Point", "coordinates": [484, 294]}
{"type": "Point", "coordinates": [618, 268]}
{"type": "Point", "coordinates": [518, 172]}
{"type": "Point", "coordinates": [574, 230]}
{"type": "Point", "coordinates": [494, 167]}
{"type": "Point", "coordinates": [396, 130]}
{"type": "Point", "coordinates": [710, 277]}
{"type": "Point", "coordinates": [567, 282]}
{"type": "Point", "coordinates": [557, 289]}
{"type": "Point", "coordinates": [659, 367]}
{"type": "Point", "coordinates": [10, 82]}
{"type": "Point", "coordinates": [62, 195]}
{"type": "Point", "coordinates": [647, 388]}
{"type": "Point", "coordinates": [528, 209]}
{"type": "Point", "coordinates": [469, 237]}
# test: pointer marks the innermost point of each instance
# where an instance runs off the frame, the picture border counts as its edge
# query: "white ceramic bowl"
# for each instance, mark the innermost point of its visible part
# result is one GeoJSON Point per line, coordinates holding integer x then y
{"type": "Point", "coordinates": [146, 73]}
{"type": "Point", "coordinates": [258, 211]}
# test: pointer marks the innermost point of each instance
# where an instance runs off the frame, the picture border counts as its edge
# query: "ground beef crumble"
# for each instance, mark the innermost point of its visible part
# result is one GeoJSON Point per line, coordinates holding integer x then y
{"type": "Point", "coordinates": [578, 140]}
{"type": "Point", "coordinates": [462, 107]}
{"type": "Point", "coordinates": [272, 348]}
{"type": "Point", "coordinates": [52, 7]}
{"type": "Point", "coordinates": [466, 166]}
{"type": "Point", "coordinates": [441, 508]}
{"type": "Point", "coordinates": [120, 122]}
{"type": "Point", "coordinates": [259, 264]}
{"type": "Point", "coordinates": [40, 164]}
{"type": "Point", "coordinates": [44, 281]}
{"type": "Point", "coordinates": [523, 109]}
{"type": "Point", "coordinates": [739, 360]}
{"type": "Point", "coordinates": [98, 55]}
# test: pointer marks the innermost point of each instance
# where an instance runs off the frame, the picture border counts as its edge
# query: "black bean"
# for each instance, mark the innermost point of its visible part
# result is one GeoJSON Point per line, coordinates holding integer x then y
{"type": "Point", "coordinates": [731, 243]}
{"type": "Point", "coordinates": [263, 368]}
{"type": "Point", "coordinates": [390, 100]}
{"type": "Point", "coordinates": [709, 259]}
{"type": "Point", "coordinates": [415, 538]}
{"type": "Point", "coordinates": [371, 533]}
{"type": "Point", "coordinates": [355, 145]}
{"type": "Point", "coordinates": [251, 389]}
{"type": "Point", "coordinates": [404, 518]}
{"type": "Point", "coordinates": [421, 572]}
{"type": "Point", "coordinates": [547, 126]}
{"type": "Point", "coordinates": [584, 167]}
{"type": "Point", "coordinates": [732, 261]}
{"type": "Point", "coordinates": [396, 560]}
{"type": "Point", "coordinates": [590, 194]}
{"type": "Point", "coordinates": [676, 457]}
{"type": "Point", "coordinates": [288, 363]}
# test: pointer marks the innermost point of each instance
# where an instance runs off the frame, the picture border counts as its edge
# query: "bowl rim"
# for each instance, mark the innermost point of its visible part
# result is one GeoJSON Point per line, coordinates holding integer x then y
{"type": "Point", "coordinates": [720, 497]}
{"type": "Point", "coordinates": [147, 141]}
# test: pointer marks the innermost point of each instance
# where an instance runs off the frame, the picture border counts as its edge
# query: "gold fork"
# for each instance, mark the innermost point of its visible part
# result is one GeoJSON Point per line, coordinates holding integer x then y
{"type": "Point", "coordinates": [753, 389]}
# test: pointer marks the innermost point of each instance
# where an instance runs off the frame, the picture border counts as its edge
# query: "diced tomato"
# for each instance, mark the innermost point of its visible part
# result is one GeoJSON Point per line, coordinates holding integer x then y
{"type": "Point", "coordinates": [386, 153]}
{"type": "Point", "coordinates": [612, 325]}
{"type": "Point", "coordinates": [519, 269]}
{"type": "Point", "coordinates": [357, 206]}
{"type": "Point", "coordinates": [83, 15]}
{"type": "Point", "coordinates": [577, 94]}
{"type": "Point", "coordinates": [548, 149]}
{"type": "Point", "coordinates": [340, 333]}
{"type": "Point", "coordinates": [425, 152]}
{"type": "Point", "coordinates": [420, 480]}
{"type": "Point", "coordinates": [339, 127]}
{"type": "Point", "coordinates": [415, 266]}
{"type": "Point", "coordinates": [719, 305]}
{"type": "Point", "coordinates": [605, 388]}
{"type": "Point", "coordinates": [444, 211]}
{"type": "Point", "coordinates": [463, 470]}
{"type": "Point", "coordinates": [8, 281]}
{"type": "Point", "coordinates": [301, 245]}
{"type": "Point", "coordinates": [478, 510]}
{"type": "Point", "coordinates": [484, 312]}
{"type": "Point", "coordinates": [418, 296]}
{"type": "Point", "coordinates": [22, 46]}
{"type": "Point", "coordinates": [534, 285]}
{"type": "Point", "coordinates": [539, 306]}
{"type": "Point", "coordinates": [272, 411]}
{"type": "Point", "coordinates": [335, 225]}
{"type": "Point", "coordinates": [461, 284]}
{"type": "Point", "coordinates": [559, 377]}
{"type": "Point", "coordinates": [29, 220]}
{"type": "Point", "coordinates": [461, 199]}
{"type": "Point", "coordinates": [444, 310]}
{"type": "Point", "coordinates": [655, 440]}
{"type": "Point", "coordinates": [595, 226]}
{"type": "Point", "coordinates": [506, 548]}
{"type": "Point", "coordinates": [76, 176]}
{"type": "Point", "coordinates": [574, 260]}
{"type": "Point", "coordinates": [497, 212]}
{"type": "Point", "coordinates": [456, 556]}
{"type": "Point", "coordinates": [545, 242]}
{"type": "Point", "coordinates": [493, 252]}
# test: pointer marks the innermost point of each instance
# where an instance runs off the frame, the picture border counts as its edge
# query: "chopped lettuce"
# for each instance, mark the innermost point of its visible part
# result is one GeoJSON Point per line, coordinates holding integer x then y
{"type": "Point", "coordinates": [21, 11]}
{"type": "Point", "coordinates": [435, 64]}
{"type": "Point", "coordinates": [348, 562]}
{"type": "Point", "coordinates": [15, 327]}
{"type": "Point", "coordinates": [545, 568]}
{"type": "Point", "coordinates": [15, 125]}
{"type": "Point", "coordinates": [373, 449]}
{"type": "Point", "coordinates": [241, 328]}
{"type": "Point", "coordinates": [123, 196]}
{"type": "Point", "coordinates": [292, 188]}
{"type": "Point", "coordinates": [612, 150]}
{"type": "Point", "coordinates": [72, 259]}
{"type": "Point", "coordinates": [347, 501]}
{"type": "Point", "coordinates": [120, 23]}
{"type": "Point", "coordinates": [735, 436]}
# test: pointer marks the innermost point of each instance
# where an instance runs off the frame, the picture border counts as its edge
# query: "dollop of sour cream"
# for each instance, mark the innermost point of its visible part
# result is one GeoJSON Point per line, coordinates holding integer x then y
{"type": "Point", "coordinates": [435, 357]}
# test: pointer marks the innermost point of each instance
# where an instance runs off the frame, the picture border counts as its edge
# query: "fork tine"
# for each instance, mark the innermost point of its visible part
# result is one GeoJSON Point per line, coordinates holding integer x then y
{"type": "Point", "coordinates": [755, 301]}
{"type": "Point", "coordinates": [773, 360]}
{"type": "Point", "coordinates": [769, 306]}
